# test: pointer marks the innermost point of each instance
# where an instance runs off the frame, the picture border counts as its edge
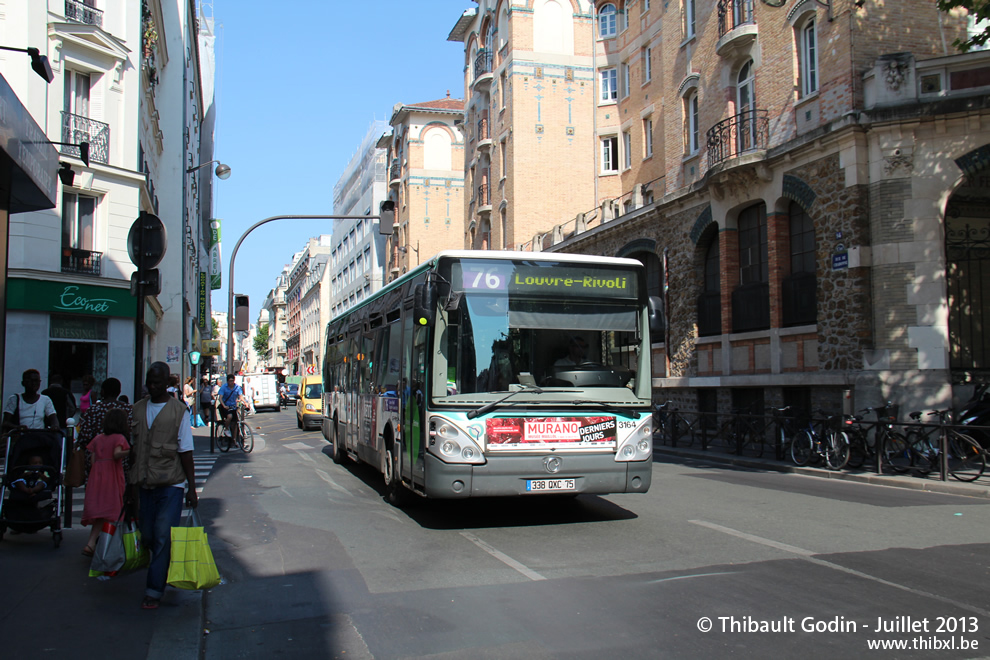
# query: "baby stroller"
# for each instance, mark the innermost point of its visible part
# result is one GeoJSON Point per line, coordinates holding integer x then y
{"type": "Point", "coordinates": [28, 513]}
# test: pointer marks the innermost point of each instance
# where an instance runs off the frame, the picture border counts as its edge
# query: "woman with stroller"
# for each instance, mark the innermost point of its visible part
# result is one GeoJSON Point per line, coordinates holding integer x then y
{"type": "Point", "coordinates": [105, 486]}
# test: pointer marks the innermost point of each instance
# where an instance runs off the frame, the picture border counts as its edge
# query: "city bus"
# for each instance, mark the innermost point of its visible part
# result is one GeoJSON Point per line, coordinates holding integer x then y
{"type": "Point", "coordinates": [487, 373]}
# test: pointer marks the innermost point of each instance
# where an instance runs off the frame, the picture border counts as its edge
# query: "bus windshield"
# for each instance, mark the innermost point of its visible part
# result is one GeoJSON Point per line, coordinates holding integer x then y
{"type": "Point", "coordinates": [510, 325]}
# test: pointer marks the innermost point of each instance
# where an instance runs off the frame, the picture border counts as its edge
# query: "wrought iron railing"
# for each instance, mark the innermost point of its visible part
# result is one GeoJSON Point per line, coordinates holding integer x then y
{"type": "Point", "coordinates": [76, 129]}
{"type": "Point", "coordinates": [732, 14]}
{"type": "Point", "coordinates": [395, 171]}
{"type": "Point", "coordinates": [799, 302]}
{"type": "Point", "coordinates": [744, 132]}
{"type": "Point", "coordinates": [83, 13]}
{"type": "Point", "coordinates": [484, 195]}
{"type": "Point", "coordinates": [710, 314]}
{"type": "Point", "coordinates": [751, 307]}
{"type": "Point", "coordinates": [82, 262]}
{"type": "Point", "coordinates": [482, 63]}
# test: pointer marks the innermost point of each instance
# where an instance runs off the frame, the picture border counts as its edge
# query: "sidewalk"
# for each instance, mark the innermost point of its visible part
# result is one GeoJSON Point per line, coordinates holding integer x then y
{"type": "Point", "coordinates": [931, 483]}
{"type": "Point", "coordinates": [51, 605]}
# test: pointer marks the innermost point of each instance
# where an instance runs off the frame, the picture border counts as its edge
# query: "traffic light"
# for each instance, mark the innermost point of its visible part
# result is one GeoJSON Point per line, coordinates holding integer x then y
{"type": "Point", "coordinates": [386, 214]}
{"type": "Point", "coordinates": [242, 317]}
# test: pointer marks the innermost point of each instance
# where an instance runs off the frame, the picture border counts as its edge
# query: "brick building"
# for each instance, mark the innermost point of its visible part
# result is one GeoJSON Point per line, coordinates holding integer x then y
{"type": "Point", "coordinates": [426, 181]}
{"type": "Point", "coordinates": [805, 179]}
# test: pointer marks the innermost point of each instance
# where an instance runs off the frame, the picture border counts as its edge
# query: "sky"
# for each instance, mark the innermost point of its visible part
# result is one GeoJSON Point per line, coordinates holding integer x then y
{"type": "Point", "coordinates": [298, 85]}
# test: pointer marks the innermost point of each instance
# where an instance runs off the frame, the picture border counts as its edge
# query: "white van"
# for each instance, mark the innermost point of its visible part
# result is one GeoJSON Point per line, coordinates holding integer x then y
{"type": "Point", "coordinates": [263, 388]}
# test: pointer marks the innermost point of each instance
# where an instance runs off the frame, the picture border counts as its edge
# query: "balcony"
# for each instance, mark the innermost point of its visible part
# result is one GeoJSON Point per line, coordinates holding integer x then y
{"type": "Point", "coordinates": [484, 199]}
{"type": "Point", "coordinates": [83, 13]}
{"type": "Point", "coordinates": [81, 262]}
{"type": "Point", "coordinates": [76, 129]}
{"type": "Point", "coordinates": [736, 26]}
{"type": "Point", "coordinates": [483, 68]}
{"type": "Point", "coordinates": [484, 134]}
{"type": "Point", "coordinates": [395, 174]}
{"type": "Point", "coordinates": [747, 131]}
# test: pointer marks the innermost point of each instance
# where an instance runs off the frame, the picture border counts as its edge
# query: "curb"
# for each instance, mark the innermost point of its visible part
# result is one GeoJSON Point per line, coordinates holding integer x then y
{"type": "Point", "coordinates": [895, 481]}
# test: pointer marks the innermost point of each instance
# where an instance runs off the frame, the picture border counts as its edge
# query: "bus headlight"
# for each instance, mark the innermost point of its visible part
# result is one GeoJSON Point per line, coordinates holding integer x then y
{"type": "Point", "coordinates": [638, 445]}
{"type": "Point", "coordinates": [453, 444]}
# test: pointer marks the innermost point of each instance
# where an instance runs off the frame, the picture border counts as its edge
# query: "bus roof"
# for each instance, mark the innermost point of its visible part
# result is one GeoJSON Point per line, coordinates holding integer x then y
{"type": "Point", "coordinates": [504, 255]}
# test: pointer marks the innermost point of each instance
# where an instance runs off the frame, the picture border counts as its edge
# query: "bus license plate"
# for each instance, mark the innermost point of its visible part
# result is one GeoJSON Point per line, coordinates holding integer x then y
{"type": "Point", "coordinates": [533, 485]}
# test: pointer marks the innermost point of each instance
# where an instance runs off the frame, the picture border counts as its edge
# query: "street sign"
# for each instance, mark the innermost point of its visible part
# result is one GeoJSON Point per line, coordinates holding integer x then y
{"type": "Point", "coordinates": [146, 241]}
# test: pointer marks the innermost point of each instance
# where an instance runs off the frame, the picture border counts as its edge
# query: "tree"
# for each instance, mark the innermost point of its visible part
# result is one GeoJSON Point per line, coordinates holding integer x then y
{"type": "Point", "coordinates": [261, 340]}
{"type": "Point", "coordinates": [215, 331]}
{"type": "Point", "coordinates": [980, 11]}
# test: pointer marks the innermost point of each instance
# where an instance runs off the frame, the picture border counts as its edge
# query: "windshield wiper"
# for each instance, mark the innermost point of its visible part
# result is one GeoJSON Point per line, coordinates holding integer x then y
{"type": "Point", "coordinates": [615, 410]}
{"type": "Point", "coordinates": [488, 407]}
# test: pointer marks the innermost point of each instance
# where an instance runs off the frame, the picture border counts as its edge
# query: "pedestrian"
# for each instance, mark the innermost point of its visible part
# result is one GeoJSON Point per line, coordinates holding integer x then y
{"type": "Point", "coordinates": [91, 421]}
{"type": "Point", "coordinates": [105, 484]}
{"type": "Point", "coordinates": [62, 399]}
{"type": "Point", "coordinates": [189, 394]}
{"type": "Point", "coordinates": [29, 410]}
{"type": "Point", "coordinates": [206, 400]}
{"type": "Point", "coordinates": [173, 386]}
{"type": "Point", "coordinates": [86, 400]}
{"type": "Point", "coordinates": [161, 427]}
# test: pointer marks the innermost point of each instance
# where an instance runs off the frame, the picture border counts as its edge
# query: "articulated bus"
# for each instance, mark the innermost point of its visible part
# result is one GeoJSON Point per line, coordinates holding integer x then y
{"type": "Point", "coordinates": [485, 373]}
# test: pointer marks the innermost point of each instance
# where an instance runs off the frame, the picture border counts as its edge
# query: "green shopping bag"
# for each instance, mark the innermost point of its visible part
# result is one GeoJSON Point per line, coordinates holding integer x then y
{"type": "Point", "coordinates": [191, 564]}
{"type": "Point", "coordinates": [136, 555]}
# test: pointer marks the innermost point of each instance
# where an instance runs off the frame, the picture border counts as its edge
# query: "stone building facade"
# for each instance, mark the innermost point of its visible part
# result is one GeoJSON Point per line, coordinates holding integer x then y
{"type": "Point", "coordinates": [804, 184]}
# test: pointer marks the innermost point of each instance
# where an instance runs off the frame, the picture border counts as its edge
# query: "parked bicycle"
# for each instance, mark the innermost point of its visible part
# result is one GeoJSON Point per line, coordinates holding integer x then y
{"type": "Point", "coordinates": [245, 436]}
{"type": "Point", "coordinates": [742, 433]}
{"type": "Point", "coordinates": [825, 443]}
{"type": "Point", "coordinates": [862, 445]}
{"type": "Point", "coordinates": [965, 458]}
{"type": "Point", "coordinates": [892, 445]}
{"type": "Point", "coordinates": [674, 428]}
{"type": "Point", "coordinates": [784, 430]}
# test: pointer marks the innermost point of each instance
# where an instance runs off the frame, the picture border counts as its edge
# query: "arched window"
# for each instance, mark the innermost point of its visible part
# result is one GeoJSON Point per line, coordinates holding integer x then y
{"type": "Point", "coordinates": [751, 299]}
{"type": "Point", "coordinates": [692, 133]}
{"type": "Point", "coordinates": [798, 290]}
{"type": "Point", "coordinates": [503, 28]}
{"type": "Point", "coordinates": [549, 27]}
{"type": "Point", "coordinates": [490, 36]}
{"type": "Point", "coordinates": [808, 57]}
{"type": "Point", "coordinates": [437, 154]}
{"type": "Point", "coordinates": [746, 107]}
{"type": "Point", "coordinates": [606, 21]}
{"type": "Point", "coordinates": [710, 300]}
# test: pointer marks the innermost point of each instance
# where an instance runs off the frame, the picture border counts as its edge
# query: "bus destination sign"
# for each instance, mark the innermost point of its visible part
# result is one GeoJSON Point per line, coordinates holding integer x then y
{"type": "Point", "coordinates": [562, 279]}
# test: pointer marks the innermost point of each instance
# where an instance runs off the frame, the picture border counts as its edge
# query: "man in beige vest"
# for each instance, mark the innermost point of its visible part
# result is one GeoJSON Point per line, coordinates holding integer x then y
{"type": "Point", "coordinates": [161, 464]}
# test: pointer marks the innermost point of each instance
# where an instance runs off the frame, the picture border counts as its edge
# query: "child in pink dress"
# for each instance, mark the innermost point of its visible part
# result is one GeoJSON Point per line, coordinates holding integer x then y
{"type": "Point", "coordinates": [105, 485]}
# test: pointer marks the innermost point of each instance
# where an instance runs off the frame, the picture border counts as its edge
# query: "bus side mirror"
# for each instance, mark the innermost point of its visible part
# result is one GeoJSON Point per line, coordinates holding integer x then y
{"type": "Point", "coordinates": [658, 322]}
{"type": "Point", "coordinates": [425, 304]}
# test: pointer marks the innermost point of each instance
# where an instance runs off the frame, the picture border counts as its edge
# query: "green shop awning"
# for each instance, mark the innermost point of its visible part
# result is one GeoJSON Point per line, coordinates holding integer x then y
{"type": "Point", "coordinates": [67, 298]}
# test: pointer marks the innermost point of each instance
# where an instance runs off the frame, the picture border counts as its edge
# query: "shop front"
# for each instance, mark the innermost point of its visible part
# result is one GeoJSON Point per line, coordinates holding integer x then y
{"type": "Point", "coordinates": [71, 329]}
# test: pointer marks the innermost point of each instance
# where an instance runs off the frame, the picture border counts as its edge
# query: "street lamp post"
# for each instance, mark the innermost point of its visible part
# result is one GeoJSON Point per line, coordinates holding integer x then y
{"type": "Point", "coordinates": [385, 217]}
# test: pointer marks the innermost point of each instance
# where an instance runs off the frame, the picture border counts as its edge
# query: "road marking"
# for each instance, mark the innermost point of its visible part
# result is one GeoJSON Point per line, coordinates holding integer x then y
{"type": "Point", "coordinates": [333, 484]}
{"type": "Point", "coordinates": [808, 556]}
{"type": "Point", "coordinates": [755, 539]}
{"type": "Point", "coordinates": [687, 577]}
{"type": "Point", "coordinates": [298, 446]}
{"type": "Point", "coordinates": [504, 558]}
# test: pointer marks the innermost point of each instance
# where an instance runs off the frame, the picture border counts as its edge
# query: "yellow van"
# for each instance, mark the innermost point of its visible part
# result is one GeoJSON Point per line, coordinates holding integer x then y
{"type": "Point", "coordinates": [309, 405]}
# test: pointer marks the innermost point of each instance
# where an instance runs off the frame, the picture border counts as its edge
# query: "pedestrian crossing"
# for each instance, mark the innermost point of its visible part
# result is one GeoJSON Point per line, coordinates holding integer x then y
{"type": "Point", "coordinates": [202, 465]}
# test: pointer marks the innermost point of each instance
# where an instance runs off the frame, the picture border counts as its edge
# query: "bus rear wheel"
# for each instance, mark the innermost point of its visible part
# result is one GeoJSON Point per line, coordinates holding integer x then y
{"type": "Point", "coordinates": [339, 455]}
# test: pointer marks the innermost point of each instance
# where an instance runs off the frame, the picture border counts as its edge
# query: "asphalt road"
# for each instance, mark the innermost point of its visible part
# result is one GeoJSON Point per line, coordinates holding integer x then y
{"type": "Point", "coordinates": [714, 561]}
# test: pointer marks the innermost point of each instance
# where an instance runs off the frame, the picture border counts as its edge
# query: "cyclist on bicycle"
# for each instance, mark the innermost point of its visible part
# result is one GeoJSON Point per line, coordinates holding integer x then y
{"type": "Point", "coordinates": [227, 399]}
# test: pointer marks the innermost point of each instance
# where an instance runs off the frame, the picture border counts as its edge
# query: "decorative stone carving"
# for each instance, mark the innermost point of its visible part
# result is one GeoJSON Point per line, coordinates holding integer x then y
{"type": "Point", "coordinates": [894, 73]}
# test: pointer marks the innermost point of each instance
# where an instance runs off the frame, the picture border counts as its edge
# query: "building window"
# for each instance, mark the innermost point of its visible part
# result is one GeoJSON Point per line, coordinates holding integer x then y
{"type": "Point", "coordinates": [78, 221]}
{"type": "Point", "coordinates": [692, 134]}
{"type": "Point", "coordinates": [626, 150]}
{"type": "Point", "coordinates": [503, 88]}
{"type": "Point", "coordinates": [688, 19]}
{"type": "Point", "coordinates": [751, 300]}
{"type": "Point", "coordinates": [808, 49]}
{"type": "Point", "coordinates": [610, 155]}
{"type": "Point", "coordinates": [606, 21]}
{"type": "Point", "coordinates": [505, 227]}
{"type": "Point", "coordinates": [646, 6]}
{"type": "Point", "coordinates": [623, 20]}
{"type": "Point", "coordinates": [647, 54]}
{"type": "Point", "coordinates": [610, 79]}
{"type": "Point", "coordinates": [624, 67]}
{"type": "Point", "coordinates": [647, 137]}
{"type": "Point", "coordinates": [798, 290]}
{"type": "Point", "coordinates": [76, 96]}
{"type": "Point", "coordinates": [710, 300]}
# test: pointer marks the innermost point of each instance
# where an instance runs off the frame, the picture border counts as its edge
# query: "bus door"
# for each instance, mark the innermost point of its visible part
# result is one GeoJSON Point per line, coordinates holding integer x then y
{"type": "Point", "coordinates": [350, 418]}
{"type": "Point", "coordinates": [413, 398]}
{"type": "Point", "coordinates": [388, 357]}
{"type": "Point", "coordinates": [365, 396]}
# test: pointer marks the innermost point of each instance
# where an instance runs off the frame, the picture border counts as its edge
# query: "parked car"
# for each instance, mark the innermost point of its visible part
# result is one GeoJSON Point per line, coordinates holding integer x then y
{"type": "Point", "coordinates": [309, 405]}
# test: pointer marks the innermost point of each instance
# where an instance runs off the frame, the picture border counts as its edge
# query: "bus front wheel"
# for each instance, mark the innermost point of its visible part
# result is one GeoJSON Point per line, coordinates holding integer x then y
{"type": "Point", "coordinates": [339, 453]}
{"type": "Point", "coordinates": [395, 492]}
